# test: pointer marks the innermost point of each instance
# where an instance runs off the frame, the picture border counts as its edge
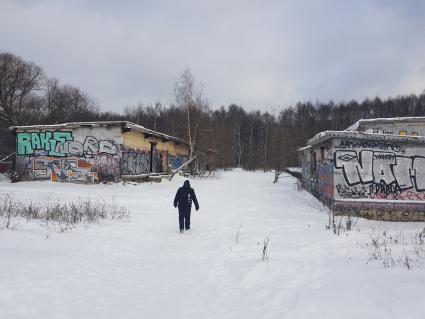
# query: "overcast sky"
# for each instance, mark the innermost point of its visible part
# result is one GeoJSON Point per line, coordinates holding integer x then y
{"type": "Point", "coordinates": [258, 54]}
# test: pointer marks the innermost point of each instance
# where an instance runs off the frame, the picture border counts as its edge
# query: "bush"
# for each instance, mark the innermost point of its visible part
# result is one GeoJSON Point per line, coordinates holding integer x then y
{"type": "Point", "coordinates": [70, 213]}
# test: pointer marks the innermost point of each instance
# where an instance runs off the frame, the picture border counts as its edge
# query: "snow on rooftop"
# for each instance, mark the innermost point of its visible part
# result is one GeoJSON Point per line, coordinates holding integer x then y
{"type": "Point", "coordinates": [127, 124]}
{"type": "Point", "coordinates": [412, 119]}
{"type": "Point", "coordinates": [323, 136]}
{"type": "Point", "coordinates": [352, 132]}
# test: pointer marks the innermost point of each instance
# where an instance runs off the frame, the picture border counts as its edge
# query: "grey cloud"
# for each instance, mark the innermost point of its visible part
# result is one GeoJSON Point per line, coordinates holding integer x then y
{"type": "Point", "coordinates": [255, 53]}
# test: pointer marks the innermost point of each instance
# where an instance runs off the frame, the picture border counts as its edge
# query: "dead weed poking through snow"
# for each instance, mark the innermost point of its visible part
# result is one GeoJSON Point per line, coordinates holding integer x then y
{"type": "Point", "coordinates": [399, 249]}
{"type": "Point", "coordinates": [404, 248]}
{"type": "Point", "coordinates": [66, 214]}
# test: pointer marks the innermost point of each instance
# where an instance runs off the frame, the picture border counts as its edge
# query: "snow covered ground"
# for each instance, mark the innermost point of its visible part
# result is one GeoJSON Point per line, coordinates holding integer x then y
{"type": "Point", "coordinates": [143, 268]}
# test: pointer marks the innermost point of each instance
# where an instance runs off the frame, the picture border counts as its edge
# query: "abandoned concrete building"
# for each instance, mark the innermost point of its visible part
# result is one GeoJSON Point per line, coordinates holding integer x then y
{"type": "Point", "coordinates": [95, 151]}
{"type": "Point", "coordinates": [374, 169]}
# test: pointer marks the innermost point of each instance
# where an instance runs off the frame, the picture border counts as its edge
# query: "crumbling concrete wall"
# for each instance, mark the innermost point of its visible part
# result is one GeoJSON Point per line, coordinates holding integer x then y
{"type": "Point", "coordinates": [318, 171]}
{"type": "Point", "coordinates": [72, 155]}
{"type": "Point", "coordinates": [378, 179]}
{"type": "Point", "coordinates": [101, 153]}
{"type": "Point", "coordinates": [140, 154]}
{"type": "Point", "coordinates": [379, 170]}
{"type": "Point", "coordinates": [402, 211]}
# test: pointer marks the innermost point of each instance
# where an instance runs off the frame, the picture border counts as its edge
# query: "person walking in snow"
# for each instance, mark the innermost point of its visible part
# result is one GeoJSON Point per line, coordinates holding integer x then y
{"type": "Point", "coordinates": [183, 200]}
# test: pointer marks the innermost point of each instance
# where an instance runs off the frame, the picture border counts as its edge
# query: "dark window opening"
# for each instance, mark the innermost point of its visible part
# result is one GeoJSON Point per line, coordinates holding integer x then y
{"type": "Point", "coordinates": [153, 146]}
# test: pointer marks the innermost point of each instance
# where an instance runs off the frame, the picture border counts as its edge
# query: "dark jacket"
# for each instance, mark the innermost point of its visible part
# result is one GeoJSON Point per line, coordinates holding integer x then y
{"type": "Point", "coordinates": [184, 197]}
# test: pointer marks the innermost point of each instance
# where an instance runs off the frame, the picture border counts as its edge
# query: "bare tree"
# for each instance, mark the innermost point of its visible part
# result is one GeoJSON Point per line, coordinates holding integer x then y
{"type": "Point", "coordinates": [154, 111]}
{"type": "Point", "coordinates": [236, 116]}
{"type": "Point", "coordinates": [55, 102]}
{"type": "Point", "coordinates": [190, 98]}
{"type": "Point", "coordinates": [67, 103]}
{"type": "Point", "coordinates": [19, 81]}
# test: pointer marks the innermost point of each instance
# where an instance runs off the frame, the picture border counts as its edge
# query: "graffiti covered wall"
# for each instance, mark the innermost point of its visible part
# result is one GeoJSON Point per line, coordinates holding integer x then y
{"type": "Point", "coordinates": [379, 170]}
{"type": "Point", "coordinates": [84, 155]}
{"type": "Point", "coordinates": [135, 162]}
{"type": "Point", "coordinates": [318, 171]}
{"type": "Point", "coordinates": [142, 154]}
{"type": "Point", "coordinates": [92, 154]}
{"type": "Point", "coordinates": [397, 211]}
{"type": "Point", "coordinates": [376, 179]}
{"type": "Point", "coordinates": [325, 180]}
{"type": "Point", "coordinates": [304, 158]}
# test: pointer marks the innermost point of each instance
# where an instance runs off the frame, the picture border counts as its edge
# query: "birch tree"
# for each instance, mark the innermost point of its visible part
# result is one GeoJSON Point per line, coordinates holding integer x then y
{"type": "Point", "coordinates": [190, 98]}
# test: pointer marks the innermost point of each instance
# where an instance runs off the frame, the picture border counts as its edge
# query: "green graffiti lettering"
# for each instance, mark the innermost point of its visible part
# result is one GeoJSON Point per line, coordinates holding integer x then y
{"type": "Point", "coordinates": [35, 141]}
{"type": "Point", "coordinates": [24, 144]}
{"type": "Point", "coordinates": [57, 144]}
{"type": "Point", "coordinates": [55, 149]}
{"type": "Point", "coordinates": [44, 140]}
{"type": "Point", "coordinates": [62, 136]}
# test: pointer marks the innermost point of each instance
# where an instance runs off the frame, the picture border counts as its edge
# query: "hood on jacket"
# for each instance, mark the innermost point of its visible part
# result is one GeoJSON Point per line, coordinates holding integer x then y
{"type": "Point", "coordinates": [186, 184]}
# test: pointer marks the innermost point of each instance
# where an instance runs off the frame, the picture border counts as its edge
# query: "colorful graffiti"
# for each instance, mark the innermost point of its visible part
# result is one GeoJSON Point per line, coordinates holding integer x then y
{"type": "Point", "coordinates": [325, 175]}
{"type": "Point", "coordinates": [61, 144]}
{"type": "Point", "coordinates": [135, 162]}
{"type": "Point", "coordinates": [389, 171]}
{"type": "Point", "coordinates": [57, 156]}
{"type": "Point", "coordinates": [68, 156]}
{"type": "Point", "coordinates": [371, 179]}
{"type": "Point", "coordinates": [61, 170]}
{"type": "Point", "coordinates": [108, 166]}
{"type": "Point", "coordinates": [159, 161]}
{"type": "Point", "coordinates": [175, 162]}
{"type": "Point", "coordinates": [379, 174]}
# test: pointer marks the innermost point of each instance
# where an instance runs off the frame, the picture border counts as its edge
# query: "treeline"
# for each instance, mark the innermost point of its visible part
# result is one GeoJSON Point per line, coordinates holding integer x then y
{"type": "Point", "coordinates": [252, 140]}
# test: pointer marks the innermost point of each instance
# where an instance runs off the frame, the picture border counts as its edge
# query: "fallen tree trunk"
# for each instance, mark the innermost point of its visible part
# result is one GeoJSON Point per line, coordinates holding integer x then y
{"type": "Point", "coordinates": [8, 156]}
{"type": "Point", "coordinates": [181, 167]}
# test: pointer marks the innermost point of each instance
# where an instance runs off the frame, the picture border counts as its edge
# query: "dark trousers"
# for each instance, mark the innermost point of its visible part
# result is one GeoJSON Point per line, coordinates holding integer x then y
{"type": "Point", "coordinates": [184, 219]}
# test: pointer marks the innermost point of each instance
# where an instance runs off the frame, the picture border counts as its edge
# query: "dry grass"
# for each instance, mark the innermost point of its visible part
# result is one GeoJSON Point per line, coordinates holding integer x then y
{"type": "Point", "coordinates": [70, 213]}
{"type": "Point", "coordinates": [401, 248]}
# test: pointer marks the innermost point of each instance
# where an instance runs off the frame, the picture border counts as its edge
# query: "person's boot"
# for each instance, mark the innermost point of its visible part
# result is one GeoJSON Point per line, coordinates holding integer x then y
{"type": "Point", "coordinates": [181, 231]}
